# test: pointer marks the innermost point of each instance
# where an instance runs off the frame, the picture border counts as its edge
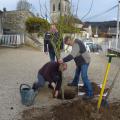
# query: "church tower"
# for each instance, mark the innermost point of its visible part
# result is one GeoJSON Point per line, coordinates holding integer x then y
{"type": "Point", "coordinates": [57, 8]}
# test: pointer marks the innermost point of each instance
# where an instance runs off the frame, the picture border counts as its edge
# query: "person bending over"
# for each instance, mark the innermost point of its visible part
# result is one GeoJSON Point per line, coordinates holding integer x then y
{"type": "Point", "coordinates": [52, 73]}
{"type": "Point", "coordinates": [82, 60]}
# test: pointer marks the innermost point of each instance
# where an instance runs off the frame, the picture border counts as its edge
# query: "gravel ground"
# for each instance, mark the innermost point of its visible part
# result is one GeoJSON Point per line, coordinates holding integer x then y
{"type": "Point", "coordinates": [21, 66]}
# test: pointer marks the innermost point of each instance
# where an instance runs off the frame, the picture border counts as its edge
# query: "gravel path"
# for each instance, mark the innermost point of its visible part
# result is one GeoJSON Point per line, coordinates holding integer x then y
{"type": "Point", "coordinates": [21, 65]}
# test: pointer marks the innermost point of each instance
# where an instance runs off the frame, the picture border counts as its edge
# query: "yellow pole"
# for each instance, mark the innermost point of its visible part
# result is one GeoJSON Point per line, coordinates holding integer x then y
{"type": "Point", "coordinates": [103, 86]}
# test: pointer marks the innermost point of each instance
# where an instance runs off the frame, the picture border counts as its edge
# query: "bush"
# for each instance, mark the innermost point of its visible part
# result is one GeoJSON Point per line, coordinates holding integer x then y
{"type": "Point", "coordinates": [36, 25]}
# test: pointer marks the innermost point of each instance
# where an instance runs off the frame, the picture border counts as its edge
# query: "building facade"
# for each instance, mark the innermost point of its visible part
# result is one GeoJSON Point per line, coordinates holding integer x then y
{"type": "Point", "coordinates": [1, 30]}
{"type": "Point", "coordinates": [57, 8]}
{"type": "Point", "coordinates": [13, 22]}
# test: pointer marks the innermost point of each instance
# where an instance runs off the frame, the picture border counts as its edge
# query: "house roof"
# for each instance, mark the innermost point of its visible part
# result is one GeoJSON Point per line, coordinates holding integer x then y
{"type": "Point", "coordinates": [1, 11]}
{"type": "Point", "coordinates": [112, 31]}
{"type": "Point", "coordinates": [67, 0]}
{"type": "Point", "coordinates": [77, 20]}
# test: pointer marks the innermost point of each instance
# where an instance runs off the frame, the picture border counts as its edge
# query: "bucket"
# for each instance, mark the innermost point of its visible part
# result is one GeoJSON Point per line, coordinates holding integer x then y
{"type": "Point", "coordinates": [27, 94]}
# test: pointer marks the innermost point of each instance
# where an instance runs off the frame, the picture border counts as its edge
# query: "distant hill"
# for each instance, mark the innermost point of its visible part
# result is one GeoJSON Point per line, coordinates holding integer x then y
{"type": "Point", "coordinates": [102, 26]}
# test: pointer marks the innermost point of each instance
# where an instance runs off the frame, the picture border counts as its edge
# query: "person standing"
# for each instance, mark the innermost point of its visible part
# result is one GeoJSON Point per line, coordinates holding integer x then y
{"type": "Point", "coordinates": [82, 60]}
{"type": "Point", "coordinates": [53, 34]}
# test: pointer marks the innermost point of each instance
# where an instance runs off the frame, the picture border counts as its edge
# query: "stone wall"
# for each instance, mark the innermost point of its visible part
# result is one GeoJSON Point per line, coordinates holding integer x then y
{"type": "Point", "coordinates": [14, 21]}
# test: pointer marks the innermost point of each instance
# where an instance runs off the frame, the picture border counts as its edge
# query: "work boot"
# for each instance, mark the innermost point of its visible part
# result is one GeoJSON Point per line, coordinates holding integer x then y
{"type": "Point", "coordinates": [87, 98]}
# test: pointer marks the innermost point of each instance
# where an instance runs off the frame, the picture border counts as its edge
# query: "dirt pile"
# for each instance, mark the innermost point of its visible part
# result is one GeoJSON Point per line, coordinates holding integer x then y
{"type": "Point", "coordinates": [74, 110]}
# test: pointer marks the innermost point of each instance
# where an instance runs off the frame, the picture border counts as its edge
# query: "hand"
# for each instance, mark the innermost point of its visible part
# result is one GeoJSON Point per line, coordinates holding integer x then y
{"type": "Point", "coordinates": [53, 85]}
{"type": "Point", "coordinates": [56, 94]}
{"type": "Point", "coordinates": [60, 61]}
{"type": "Point", "coordinates": [46, 53]}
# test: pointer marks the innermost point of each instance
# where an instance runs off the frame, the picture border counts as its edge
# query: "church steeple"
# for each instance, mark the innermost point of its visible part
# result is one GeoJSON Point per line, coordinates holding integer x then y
{"type": "Point", "coordinates": [57, 8]}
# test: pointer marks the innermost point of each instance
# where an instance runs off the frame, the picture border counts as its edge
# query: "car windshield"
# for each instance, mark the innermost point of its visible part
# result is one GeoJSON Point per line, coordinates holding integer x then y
{"type": "Point", "coordinates": [89, 44]}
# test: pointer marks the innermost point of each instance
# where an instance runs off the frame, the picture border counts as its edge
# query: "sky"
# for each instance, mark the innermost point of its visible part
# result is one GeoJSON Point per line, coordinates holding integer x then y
{"type": "Point", "coordinates": [83, 7]}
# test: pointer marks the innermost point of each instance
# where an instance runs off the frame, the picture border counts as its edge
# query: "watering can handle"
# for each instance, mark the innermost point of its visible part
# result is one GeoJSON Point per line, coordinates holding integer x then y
{"type": "Point", "coordinates": [24, 85]}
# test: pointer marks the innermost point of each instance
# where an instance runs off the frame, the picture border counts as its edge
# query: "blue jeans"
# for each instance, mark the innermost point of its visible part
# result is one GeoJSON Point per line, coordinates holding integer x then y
{"type": "Point", "coordinates": [52, 56]}
{"type": "Point", "coordinates": [41, 80]}
{"type": "Point", "coordinates": [40, 83]}
{"type": "Point", "coordinates": [83, 69]}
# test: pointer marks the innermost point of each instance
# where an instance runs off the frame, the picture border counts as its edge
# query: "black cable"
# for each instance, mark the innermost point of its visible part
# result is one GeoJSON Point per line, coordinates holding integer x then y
{"type": "Point", "coordinates": [102, 13]}
{"type": "Point", "coordinates": [77, 7]}
{"type": "Point", "coordinates": [40, 7]}
{"type": "Point", "coordinates": [89, 10]}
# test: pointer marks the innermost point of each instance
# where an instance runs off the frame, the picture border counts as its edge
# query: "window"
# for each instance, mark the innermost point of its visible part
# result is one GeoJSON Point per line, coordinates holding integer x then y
{"type": "Point", "coordinates": [59, 7]}
{"type": "Point", "coordinates": [53, 7]}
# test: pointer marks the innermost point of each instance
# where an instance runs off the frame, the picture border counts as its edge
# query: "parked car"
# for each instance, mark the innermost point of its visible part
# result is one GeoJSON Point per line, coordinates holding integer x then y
{"type": "Point", "coordinates": [95, 48]}
{"type": "Point", "coordinates": [88, 44]}
{"type": "Point", "coordinates": [92, 47]}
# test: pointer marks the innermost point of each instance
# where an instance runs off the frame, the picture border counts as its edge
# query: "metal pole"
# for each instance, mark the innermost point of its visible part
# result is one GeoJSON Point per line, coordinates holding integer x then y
{"type": "Point", "coordinates": [117, 35]}
{"type": "Point", "coordinates": [60, 9]}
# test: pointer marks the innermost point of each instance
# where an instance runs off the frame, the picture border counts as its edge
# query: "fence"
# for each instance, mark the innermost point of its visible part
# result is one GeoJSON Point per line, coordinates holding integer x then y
{"type": "Point", "coordinates": [114, 45]}
{"type": "Point", "coordinates": [11, 40]}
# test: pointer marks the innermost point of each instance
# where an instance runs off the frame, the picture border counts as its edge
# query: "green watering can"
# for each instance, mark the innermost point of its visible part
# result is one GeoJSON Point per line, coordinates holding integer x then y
{"type": "Point", "coordinates": [27, 94]}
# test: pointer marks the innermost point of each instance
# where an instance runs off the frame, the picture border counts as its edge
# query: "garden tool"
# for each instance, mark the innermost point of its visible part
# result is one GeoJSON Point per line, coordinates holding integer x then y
{"type": "Point", "coordinates": [27, 94]}
{"type": "Point", "coordinates": [104, 101]}
{"type": "Point", "coordinates": [110, 56]}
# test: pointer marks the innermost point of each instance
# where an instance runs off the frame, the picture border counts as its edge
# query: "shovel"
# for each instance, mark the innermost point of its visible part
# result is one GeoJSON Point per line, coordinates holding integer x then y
{"type": "Point", "coordinates": [104, 101]}
{"type": "Point", "coordinates": [110, 56]}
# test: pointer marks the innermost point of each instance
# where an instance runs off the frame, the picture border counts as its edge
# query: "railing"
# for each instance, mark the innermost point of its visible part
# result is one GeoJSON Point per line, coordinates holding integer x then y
{"type": "Point", "coordinates": [11, 40]}
{"type": "Point", "coordinates": [114, 45]}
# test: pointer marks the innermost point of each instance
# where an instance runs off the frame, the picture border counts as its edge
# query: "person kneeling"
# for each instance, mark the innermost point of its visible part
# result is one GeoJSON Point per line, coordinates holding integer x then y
{"type": "Point", "coordinates": [51, 72]}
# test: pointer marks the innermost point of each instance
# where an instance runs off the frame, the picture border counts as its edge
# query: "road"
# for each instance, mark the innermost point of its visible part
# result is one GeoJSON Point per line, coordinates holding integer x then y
{"type": "Point", "coordinates": [21, 65]}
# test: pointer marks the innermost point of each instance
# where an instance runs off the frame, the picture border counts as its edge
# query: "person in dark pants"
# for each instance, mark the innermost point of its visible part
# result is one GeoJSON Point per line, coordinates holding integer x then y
{"type": "Point", "coordinates": [53, 34]}
{"type": "Point", "coordinates": [52, 73]}
{"type": "Point", "coordinates": [82, 60]}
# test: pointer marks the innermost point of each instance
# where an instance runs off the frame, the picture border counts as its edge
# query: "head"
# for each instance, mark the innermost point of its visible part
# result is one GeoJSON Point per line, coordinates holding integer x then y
{"type": "Point", "coordinates": [53, 28]}
{"type": "Point", "coordinates": [63, 67]}
{"type": "Point", "coordinates": [68, 40]}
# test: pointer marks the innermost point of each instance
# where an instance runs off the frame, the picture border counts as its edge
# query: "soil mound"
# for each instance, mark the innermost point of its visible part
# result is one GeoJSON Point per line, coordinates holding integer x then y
{"type": "Point", "coordinates": [76, 110]}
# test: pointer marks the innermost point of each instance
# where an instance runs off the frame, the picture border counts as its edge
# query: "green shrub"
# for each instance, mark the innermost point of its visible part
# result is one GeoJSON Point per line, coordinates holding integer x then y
{"type": "Point", "coordinates": [36, 25]}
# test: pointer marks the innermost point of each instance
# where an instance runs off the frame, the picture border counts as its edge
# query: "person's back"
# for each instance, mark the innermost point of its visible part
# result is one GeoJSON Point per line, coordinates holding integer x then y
{"type": "Point", "coordinates": [49, 71]}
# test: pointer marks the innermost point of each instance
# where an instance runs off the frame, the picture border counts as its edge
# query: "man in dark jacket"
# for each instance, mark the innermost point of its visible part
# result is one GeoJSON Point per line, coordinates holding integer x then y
{"type": "Point", "coordinates": [51, 72]}
{"type": "Point", "coordinates": [82, 60]}
{"type": "Point", "coordinates": [53, 34]}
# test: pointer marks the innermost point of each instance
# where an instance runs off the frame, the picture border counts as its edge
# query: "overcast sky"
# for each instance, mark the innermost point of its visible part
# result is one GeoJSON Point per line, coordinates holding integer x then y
{"type": "Point", "coordinates": [84, 6]}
